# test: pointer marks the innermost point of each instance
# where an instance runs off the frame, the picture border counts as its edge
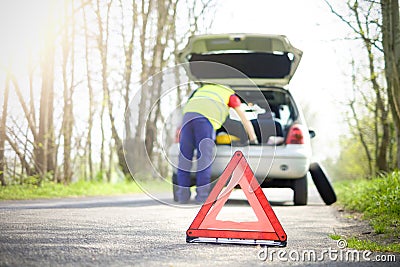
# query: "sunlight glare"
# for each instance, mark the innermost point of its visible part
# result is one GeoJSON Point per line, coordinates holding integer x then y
{"type": "Point", "coordinates": [23, 26]}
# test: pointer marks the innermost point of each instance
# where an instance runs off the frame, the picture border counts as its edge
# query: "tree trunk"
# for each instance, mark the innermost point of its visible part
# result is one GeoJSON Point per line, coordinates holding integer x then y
{"type": "Point", "coordinates": [391, 48]}
{"type": "Point", "coordinates": [103, 45]}
{"type": "Point", "coordinates": [45, 144]}
{"type": "Point", "coordinates": [68, 116]}
{"type": "Point", "coordinates": [3, 133]}
{"type": "Point", "coordinates": [91, 100]}
{"type": "Point", "coordinates": [138, 157]}
{"type": "Point", "coordinates": [110, 163]}
{"type": "Point", "coordinates": [128, 48]}
{"type": "Point", "coordinates": [381, 115]}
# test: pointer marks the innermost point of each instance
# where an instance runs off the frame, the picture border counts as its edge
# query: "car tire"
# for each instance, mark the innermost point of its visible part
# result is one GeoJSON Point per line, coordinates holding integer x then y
{"type": "Point", "coordinates": [322, 184]}
{"type": "Point", "coordinates": [300, 191]}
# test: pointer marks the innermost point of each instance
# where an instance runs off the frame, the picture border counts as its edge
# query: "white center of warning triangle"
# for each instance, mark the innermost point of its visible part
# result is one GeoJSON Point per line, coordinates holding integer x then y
{"type": "Point", "coordinates": [253, 217]}
{"type": "Point", "coordinates": [237, 210]}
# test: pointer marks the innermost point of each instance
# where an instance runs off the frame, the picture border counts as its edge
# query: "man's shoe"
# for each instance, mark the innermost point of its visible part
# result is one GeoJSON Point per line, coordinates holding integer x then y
{"type": "Point", "coordinates": [183, 201]}
{"type": "Point", "coordinates": [199, 201]}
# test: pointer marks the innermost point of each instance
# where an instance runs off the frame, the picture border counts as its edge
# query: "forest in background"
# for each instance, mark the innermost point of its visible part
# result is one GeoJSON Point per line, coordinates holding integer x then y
{"type": "Point", "coordinates": [73, 67]}
{"type": "Point", "coordinates": [373, 109]}
{"type": "Point", "coordinates": [64, 101]}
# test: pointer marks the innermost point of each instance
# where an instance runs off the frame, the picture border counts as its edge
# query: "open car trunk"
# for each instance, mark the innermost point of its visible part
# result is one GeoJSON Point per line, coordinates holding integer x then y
{"type": "Point", "coordinates": [271, 111]}
{"type": "Point", "coordinates": [233, 59]}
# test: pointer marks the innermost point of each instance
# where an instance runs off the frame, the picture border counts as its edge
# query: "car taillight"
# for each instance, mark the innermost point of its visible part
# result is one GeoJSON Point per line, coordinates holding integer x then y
{"type": "Point", "coordinates": [177, 134]}
{"type": "Point", "coordinates": [295, 135]}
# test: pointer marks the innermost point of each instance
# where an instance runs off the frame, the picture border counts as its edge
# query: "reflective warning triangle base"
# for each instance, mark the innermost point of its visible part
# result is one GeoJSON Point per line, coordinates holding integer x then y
{"type": "Point", "coordinates": [206, 228]}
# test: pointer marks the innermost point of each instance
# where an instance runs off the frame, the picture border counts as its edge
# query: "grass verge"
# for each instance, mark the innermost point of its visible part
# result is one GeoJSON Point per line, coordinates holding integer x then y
{"type": "Point", "coordinates": [355, 243]}
{"type": "Point", "coordinates": [80, 188]}
{"type": "Point", "coordinates": [378, 200]}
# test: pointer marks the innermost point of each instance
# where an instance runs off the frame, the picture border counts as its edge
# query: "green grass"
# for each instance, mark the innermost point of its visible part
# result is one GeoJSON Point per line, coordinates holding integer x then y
{"type": "Point", "coordinates": [355, 243]}
{"type": "Point", "coordinates": [80, 188]}
{"type": "Point", "coordinates": [378, 200]}
{"type": "Point", "coordinates": [335, 236]}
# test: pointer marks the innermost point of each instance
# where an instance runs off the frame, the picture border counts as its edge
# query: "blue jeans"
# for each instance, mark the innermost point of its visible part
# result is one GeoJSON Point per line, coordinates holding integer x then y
{"type": "Point", "coordinates": [197, 134]}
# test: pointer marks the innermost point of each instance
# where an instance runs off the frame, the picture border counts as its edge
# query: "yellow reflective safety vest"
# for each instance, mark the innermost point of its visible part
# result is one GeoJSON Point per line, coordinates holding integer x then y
{"type": "Point", "coordinates": [211, 101]}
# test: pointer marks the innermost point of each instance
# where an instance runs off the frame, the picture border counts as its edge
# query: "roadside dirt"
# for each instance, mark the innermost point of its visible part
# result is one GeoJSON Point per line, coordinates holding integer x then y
{"type": "Point", "coordinates": [355, 226]}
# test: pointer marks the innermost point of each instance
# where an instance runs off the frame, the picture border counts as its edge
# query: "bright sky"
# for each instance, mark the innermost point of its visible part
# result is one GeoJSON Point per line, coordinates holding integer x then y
{"type": "Point", "coordinates": [320, 82]}
{"type": "Point", "coordinates": [22, 27]}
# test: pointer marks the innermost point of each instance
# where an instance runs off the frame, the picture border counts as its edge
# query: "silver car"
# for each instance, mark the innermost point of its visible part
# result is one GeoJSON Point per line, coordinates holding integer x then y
{"type": "Point", "coordinates": [258, 68]}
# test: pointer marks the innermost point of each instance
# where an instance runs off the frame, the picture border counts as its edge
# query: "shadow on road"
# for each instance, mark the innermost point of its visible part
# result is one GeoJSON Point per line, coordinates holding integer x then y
{"type": "Point", "coordinates": [83, 204]}
{"type": "Point", "coordinates": [110, 202]}
{"type": "Point", "coordinates": [244, 202]}
{"type": "Point", "coordinates": [139, 200]}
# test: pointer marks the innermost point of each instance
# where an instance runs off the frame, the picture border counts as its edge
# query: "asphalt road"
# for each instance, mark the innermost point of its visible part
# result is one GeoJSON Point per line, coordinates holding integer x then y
{"type": "Point", "coordinates": [136, 230]}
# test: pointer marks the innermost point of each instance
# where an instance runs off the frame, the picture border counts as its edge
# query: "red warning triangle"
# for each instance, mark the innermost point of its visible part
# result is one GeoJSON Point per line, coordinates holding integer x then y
{"type": "Point", "coordinates": [207, 228]}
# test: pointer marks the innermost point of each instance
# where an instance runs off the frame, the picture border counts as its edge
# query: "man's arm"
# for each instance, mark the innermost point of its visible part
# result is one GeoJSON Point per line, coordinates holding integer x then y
{"type": "Point", "coordinates": [247, 125]}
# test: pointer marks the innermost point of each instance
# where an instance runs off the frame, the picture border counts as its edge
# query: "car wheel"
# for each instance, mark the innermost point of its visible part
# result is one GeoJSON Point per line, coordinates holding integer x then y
{"type": "Point", "coordinates": [174, 186]}
{"type": "Point", "coordinates": [322, 184]}
{"type": "Point", "coordinates": [300, 192]}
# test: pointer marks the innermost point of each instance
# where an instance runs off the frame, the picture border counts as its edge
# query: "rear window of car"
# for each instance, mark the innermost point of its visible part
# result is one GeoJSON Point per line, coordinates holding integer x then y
{"type": "Point", "coordinates": [253, 65]}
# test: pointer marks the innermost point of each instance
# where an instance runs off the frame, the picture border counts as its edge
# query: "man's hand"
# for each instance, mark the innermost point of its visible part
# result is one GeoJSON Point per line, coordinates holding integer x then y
{"type": "Point", "coordinates": [253, 142]}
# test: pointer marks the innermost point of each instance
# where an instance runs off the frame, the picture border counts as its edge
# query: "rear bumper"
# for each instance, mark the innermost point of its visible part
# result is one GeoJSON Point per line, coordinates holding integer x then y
{"type": "Point", "coordinates": [281, 162]}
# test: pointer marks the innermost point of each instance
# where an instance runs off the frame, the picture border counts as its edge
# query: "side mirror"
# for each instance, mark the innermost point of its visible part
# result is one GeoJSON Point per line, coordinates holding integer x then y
{"type": "Point", "coordinates": [312, 133]}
